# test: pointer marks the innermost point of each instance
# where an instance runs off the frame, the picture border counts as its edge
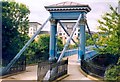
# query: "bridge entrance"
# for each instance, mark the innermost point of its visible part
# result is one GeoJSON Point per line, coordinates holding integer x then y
{"type": "Point", "coordinates": [67, 11]}
{"type": "Point", "coordinates": [61, 11]}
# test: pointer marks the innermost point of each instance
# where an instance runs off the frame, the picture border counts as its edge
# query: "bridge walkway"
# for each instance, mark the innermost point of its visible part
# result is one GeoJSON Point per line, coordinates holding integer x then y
{"type": "Point", "coordinates": [74, 70]}
{"type": "Point", "coordinates": [31, 72]}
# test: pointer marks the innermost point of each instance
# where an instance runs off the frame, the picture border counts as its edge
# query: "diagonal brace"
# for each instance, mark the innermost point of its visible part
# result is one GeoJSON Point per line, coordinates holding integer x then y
{"type": "Point", "coordinates": [66, 45]}
{"type": "Point", "coordinates": [7, 68]}
{"type": "Point", "coordinates": [47, 76]}
{"type": "Point", "coordinates": [67, 33]}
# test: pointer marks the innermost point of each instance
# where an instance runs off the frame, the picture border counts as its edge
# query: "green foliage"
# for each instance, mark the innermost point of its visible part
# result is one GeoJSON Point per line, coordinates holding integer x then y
{"type": "Point", "coordinates": [113, 73]}
{"type": "Point", "coordinates": [89, 40]}
{"type": "Point", "coordinates": [30, 53]}
{"type": "Point", "coordinates": [110, 32]}
{"type": "Point", "coordinates": [14, 28]}
{"type": "Point", "coordinates": [39, 50]}
{"type": "Point", "coordinates": [109, 39]}
{"type": "Point", "coordinates": [43, 45]}
{"type": "Point", "coordinates": [72, 47]}
{"type": "Point", "coordinates": [59, 44]}
{"type": "Point", "coordinates": [87, 35]}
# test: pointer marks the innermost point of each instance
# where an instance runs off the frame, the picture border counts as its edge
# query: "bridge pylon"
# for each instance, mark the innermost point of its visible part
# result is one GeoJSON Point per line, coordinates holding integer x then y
{"type": "Point", "coordinates": [67, 11]}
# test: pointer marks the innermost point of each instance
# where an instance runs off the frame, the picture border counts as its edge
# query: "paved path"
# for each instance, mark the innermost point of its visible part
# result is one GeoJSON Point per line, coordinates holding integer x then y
{"type": "Point", "coordinates": [29, 74]}
{"type": "Point", "coordinates": [73, 71]}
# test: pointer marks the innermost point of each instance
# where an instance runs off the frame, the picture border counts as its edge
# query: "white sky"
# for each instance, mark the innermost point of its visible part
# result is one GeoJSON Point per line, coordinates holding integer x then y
{"type": "Point", "coordinates": [39, 14]}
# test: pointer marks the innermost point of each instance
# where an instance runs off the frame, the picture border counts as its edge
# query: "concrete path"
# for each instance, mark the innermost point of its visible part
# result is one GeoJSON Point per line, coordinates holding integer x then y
{"type": "Point", "coordinates": [73, 71]}
{"type": "Point", "coordinates": [29, 74]}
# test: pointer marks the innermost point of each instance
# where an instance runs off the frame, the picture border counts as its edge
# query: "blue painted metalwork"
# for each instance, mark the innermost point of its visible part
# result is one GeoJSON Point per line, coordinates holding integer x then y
{"type": "Point", "coordinates": [80, 53]}
{"type": "Point", "coordinates": [66, 12]}
{"type": "Point", "coordinates": [81, 49]}
{"type": "Point", "coordinates": [65, 15]}
{"type": "Point", "coordinates": [90, 53]}
{"type": "Point", "coordinates": [67, 33]}
{"type": "Point", "coordinates": [53, 33]}
{"type": "Point", "coordinates": [68, 41]}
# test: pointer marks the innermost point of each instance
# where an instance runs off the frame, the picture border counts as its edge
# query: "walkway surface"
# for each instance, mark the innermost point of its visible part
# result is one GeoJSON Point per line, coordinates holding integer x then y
{"type": "Point", "coordinates": [73, 71]}
{"type": "Point", "coordinates": [29, 74]}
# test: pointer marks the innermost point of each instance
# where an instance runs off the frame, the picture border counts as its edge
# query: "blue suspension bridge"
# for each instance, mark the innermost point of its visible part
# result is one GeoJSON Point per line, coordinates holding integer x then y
{"type": "Point", "coordinates": [58, 12]}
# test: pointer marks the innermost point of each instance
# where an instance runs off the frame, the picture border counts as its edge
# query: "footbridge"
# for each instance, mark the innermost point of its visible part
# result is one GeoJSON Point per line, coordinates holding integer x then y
{"type": "Point", "coordinates": [58, 12]}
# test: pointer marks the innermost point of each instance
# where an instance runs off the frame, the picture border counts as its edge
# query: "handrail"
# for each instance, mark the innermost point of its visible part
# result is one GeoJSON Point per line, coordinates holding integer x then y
{"type": "Point", "coordinates": [7, 68]}
{"type": "Point", "coordinates": [88, 50]}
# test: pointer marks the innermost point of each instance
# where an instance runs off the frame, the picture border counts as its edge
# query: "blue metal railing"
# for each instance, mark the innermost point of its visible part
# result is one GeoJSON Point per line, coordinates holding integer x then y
{"type": "Point", "coordinates": [69, 52]}
{"type": "Point", "coordinates": [89, 54]}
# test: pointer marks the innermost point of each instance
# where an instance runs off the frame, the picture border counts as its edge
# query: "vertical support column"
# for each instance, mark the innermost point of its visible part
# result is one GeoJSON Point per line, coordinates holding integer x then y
{"type": "Point", "coordinates": [53, 46]}
{"type": "Point", "coordinates": [82, 39]}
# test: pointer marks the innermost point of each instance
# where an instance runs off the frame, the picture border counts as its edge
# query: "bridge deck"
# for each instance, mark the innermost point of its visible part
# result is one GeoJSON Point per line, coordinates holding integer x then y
{"type": "Point", "coordinates": [74, 70]}
{"type": "Point", "coordinates": [31, 72]}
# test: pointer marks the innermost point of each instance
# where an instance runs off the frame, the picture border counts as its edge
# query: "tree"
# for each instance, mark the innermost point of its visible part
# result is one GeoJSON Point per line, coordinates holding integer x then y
{"type": "Point", "coordinates": [112, 73]}
{"type": "Point", "coordinates": [110, 28]}
{"type": "Point", "coordinates": [14, 28]}
{"type": "Point", "coordinates": [30, 53]}
{"type": "Point", "coordinates": [109, 39]}
{"type": "Point", "coordinates": [59, 44]}
{"type": "Point", "coordinates": [89, 40]}
{"type": "Point", "coordinates": [39, 50]}
{"type": "Point", "coordinates": [43, 44]}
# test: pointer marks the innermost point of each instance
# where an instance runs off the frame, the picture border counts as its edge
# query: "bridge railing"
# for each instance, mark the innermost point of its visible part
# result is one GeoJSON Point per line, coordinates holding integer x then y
{"type": "Point", "coordinates": [68, 52]}
{"type": "Point", "coordinates": [89, 52]}
{"type": "Point", "coordinates": [60, 69]}
{"type": "Point", "coordinates": [92, 69]}
{"type": "Point", "coordinates": [20, 65]}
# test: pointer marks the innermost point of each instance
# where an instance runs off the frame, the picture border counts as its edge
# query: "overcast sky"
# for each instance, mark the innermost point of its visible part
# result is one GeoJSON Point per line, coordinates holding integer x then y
{"type": "Point", "coordinates": [39, 14]}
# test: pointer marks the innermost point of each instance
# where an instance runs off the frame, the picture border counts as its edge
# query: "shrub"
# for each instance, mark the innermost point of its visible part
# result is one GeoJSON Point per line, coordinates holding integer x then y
{"type": "Point", "coordinates": [112, 73]}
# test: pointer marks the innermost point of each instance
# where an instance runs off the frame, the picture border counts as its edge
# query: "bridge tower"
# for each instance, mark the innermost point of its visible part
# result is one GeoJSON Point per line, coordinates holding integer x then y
{"type": "Point", "coordinates": [67, 11]}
